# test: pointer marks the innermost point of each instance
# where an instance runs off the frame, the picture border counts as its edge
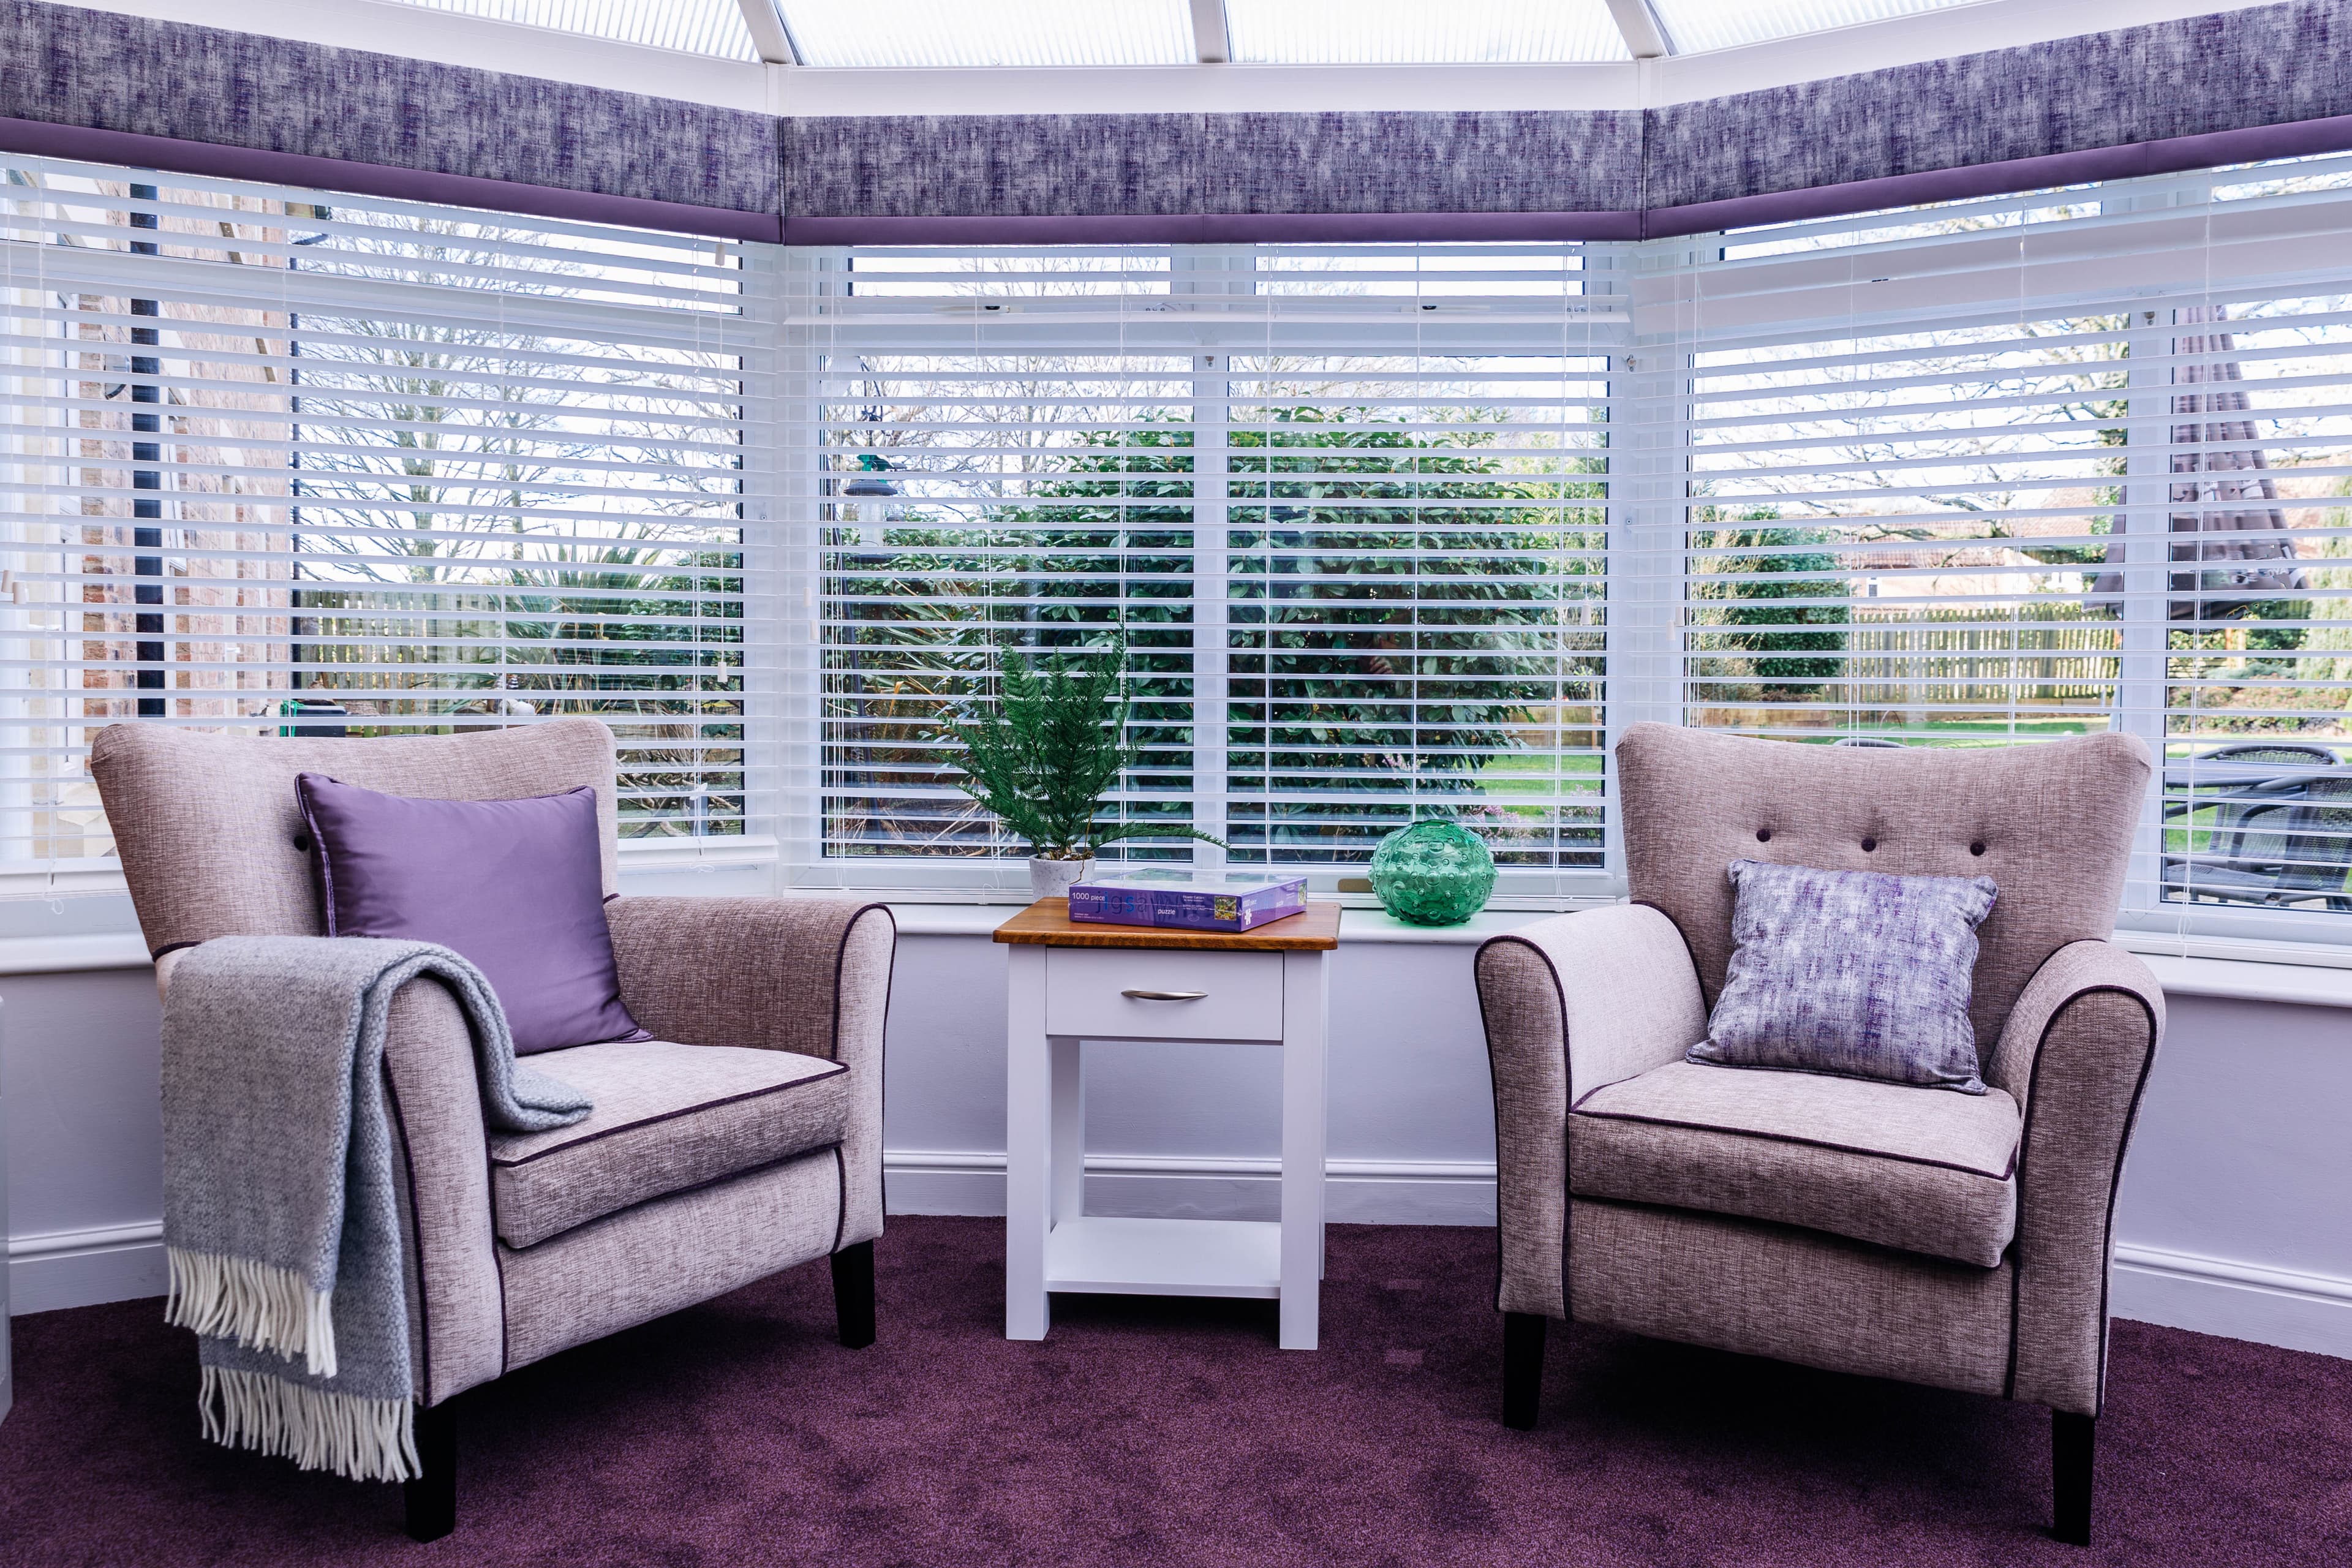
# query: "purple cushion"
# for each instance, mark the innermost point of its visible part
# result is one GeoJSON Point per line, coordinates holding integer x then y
{"type": "Point", "coordinates": [515, 886]}
{"type": "Point", "coordinates": [1857, 974]}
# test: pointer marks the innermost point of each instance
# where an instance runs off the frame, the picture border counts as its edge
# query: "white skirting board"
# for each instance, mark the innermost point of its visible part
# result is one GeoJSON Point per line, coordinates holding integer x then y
{"type": "Point", "coordinates": [2181, 1290]}
{"type": "Point", "coordinates": [84, 1267]}
{"type": "Point", "coordinates": [2184, 1290]}
{"type": "Point", "coordinates": [2238, 1300]}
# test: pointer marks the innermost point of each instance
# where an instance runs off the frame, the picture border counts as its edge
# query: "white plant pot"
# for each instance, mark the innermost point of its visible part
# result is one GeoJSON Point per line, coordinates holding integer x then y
{"type": "Point", "coordinates": [1052, 878]}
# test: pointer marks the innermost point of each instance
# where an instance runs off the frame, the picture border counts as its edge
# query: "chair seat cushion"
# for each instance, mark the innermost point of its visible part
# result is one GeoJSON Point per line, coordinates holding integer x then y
{"type": "Point", "coordinates": [668, 1117]}
{"type": "Point", "coordinates": [1900, 1166]}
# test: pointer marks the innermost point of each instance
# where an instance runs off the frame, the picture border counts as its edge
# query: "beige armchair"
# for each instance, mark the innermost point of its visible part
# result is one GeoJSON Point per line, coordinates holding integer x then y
{"type": "Point", "coordinates": [1866, 1227]}
{"type": "Point", "coordinates": [745, 1139]}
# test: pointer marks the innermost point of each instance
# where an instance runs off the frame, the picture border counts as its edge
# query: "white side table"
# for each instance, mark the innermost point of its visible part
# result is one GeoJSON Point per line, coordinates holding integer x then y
{"type": "Point", "coordinates": [1074, 982]}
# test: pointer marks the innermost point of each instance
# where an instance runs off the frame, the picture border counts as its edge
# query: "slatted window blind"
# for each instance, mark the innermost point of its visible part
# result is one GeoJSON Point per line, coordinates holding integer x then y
{"type": "Point", "coordinates": [1348, 507]}
{"type": "Point", "coordinates": [277, 461]}
{"type": "Point", "coordinates": [1390, 531]}
{"type": "Point", "coordinates": [2020, 468]}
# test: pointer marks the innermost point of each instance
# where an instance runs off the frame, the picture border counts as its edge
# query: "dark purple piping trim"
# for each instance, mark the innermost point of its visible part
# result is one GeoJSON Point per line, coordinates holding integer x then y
{"type": "Point", "coordinates": [318, 843]}
{"type": "Point", "coordinates": [174, 154]}
{"type": "Point", "coordinates": [2171, 155]}
{"type": "Point", "coordinates": [2114, 1179]}
{"type": "Point", "coordinates": [833, 1070]}
{"type": "Point", "coordinates": [1567, 1086]}
{"type": "Point", "coordinates": [841, 951]}
{"type": "Point", "coordinates": [498, 1261]}
{"type": "Point", "coordinates": [840, 955]}
{"type": "Point", "coordinates": [882, 1091]}
{"type": "Point", "coordinates": [175, 947]}
{"type": "Point", "coordinates": [2002, 1176]}
{"type": "Point", "coordinates": [1104, 228]}
{"type": "Point", "coordinates": [1213, 229]}
{"type": "Point", "coordinates": [840, 1198]}
{"type": "Point", "coordinates": [416, 1234]}
{"type": "Point", "coordinates": [1344, 229]}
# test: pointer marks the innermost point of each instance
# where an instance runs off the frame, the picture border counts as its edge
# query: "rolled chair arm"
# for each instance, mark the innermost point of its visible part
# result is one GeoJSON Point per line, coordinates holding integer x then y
{"type": "Point", "coordinates": [810, 976]}
{"type": "Point", "coordinates": [1570, 1004]}
{"type": "Point", "coordinates": [2075, 1053]}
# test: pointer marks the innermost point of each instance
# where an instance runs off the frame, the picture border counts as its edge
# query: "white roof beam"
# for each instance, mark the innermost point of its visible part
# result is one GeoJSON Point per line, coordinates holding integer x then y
{"type": "Point", "coordinates": [454, 40]}
{"type": "Point", "coordinates": [1639, 25]}
{"type": "Point", "coordinates": [769, 32]}
{"type": "Point", "coordinates": [1211, 44]}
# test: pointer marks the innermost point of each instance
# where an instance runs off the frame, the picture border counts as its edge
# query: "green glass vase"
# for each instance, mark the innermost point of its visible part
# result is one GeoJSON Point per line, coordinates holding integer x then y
{"type": "Point", "coordinates": [1432, 874]}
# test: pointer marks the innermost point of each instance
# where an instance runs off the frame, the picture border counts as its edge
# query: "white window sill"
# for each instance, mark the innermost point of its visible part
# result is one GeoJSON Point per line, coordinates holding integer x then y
{"type": "Point", "coordinates": [2239, 978]}
{"type": "Point", "coordinates": [2245, 979]}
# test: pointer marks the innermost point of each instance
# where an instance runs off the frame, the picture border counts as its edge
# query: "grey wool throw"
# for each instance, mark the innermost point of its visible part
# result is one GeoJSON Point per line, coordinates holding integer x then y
{"type": "Point", "coordinates": [282, 1228]}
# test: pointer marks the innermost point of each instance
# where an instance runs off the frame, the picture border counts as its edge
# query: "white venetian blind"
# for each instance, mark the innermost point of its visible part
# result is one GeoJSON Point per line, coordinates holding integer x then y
{"type": "Point", "coordinates": [1348, 507]}
{"type": "Point", "coordinates": [280, 461]}
{"type": "Point", "coordinates": [2015, 470]}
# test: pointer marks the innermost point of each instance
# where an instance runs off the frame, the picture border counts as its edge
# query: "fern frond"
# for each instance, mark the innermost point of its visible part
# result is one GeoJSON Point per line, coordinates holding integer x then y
{"type": "Point", "coordinates": [1045, 754]}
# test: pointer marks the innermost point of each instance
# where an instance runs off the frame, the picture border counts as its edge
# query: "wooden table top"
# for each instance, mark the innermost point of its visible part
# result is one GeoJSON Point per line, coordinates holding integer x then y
{"type": "Point", "coordinates": [1047, 924]}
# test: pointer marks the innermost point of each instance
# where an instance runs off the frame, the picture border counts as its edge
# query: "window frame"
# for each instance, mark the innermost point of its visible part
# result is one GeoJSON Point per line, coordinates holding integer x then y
{"type": "Point", "coordinates": [1646, 397]}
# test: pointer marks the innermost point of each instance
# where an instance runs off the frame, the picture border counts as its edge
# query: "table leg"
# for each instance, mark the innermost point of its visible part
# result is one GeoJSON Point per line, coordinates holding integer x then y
{"type": "Point", "coordinates": [1303, 1111]}
{"type": "Point", "coordinates": [1028, 1147]}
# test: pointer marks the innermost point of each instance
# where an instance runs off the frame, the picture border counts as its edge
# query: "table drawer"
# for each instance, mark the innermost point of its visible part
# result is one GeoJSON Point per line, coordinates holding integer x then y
{"type": "Point", "coordinates": [1086, 993]}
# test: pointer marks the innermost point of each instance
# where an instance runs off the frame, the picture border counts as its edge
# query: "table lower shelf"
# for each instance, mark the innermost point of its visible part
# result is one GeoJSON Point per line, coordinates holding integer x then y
{"type": "Point", "coordinates": [1107, 1256]}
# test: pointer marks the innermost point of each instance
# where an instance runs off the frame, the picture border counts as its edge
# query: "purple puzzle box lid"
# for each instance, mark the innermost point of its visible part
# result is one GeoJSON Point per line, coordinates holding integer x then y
{"type": "Point", "coordinates": [1181, 899]}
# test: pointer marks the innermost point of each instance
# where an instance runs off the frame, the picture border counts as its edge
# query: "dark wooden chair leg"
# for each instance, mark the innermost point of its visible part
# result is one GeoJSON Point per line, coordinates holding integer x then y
{"type": "Point", "coordinates": [1523, 1353]}
{"type": "Point", "coordinates": [432, 1498]}
{"type": "Point", "coordinates": [853, 1294]}
{"type": "Point", "coordinates": [2072, 1442]}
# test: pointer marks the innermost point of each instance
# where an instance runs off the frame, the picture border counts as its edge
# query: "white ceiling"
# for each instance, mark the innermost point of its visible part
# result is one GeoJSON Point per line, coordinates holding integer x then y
{"type": "Point", "coordinates": [886, 34]}
{"type": "Point", "coordinates": [936, 56]}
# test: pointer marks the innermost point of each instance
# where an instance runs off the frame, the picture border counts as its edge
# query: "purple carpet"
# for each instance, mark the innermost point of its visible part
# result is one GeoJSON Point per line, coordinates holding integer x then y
{"type": "Point", "coordinates": [1151, 1432]}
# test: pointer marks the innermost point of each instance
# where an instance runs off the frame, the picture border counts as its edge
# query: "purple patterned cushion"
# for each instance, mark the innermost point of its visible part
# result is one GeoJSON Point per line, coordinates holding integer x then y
{"type": "Point", "coordinates": [1851, 973]}
{"type": "Point", "coordinates": [516, 886]}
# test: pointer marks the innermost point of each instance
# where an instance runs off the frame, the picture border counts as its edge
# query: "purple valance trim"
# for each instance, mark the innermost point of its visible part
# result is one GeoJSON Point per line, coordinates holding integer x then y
{"type": "Point", "coordinates": [2172, 155]}
{"type": "Point", "coordinates": [38, 139]}
{"type": "Point", "coordinates": [1215, 228]}
{"type": "Point", "coordinates": [1349, 228]}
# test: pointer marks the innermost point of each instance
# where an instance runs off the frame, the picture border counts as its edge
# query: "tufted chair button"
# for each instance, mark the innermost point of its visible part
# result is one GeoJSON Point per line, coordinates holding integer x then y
{"type": "Point", "coordinates": [301, 841]}
{"type": "Point", "coordinates": [1977, 847]}
{"type": "Point", "coordinates": [1869, 844]}
{"type": "Point", "coordinates": [1763, 835]}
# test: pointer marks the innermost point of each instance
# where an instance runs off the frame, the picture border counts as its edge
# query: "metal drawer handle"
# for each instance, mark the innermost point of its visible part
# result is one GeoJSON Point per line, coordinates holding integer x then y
{"type": "Point", "coordinates": [1165, 996]}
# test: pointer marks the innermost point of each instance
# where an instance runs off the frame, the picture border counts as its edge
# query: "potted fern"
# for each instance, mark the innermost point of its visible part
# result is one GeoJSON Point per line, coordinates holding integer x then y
{"type": "Point", "coordinates": [1044, 754]}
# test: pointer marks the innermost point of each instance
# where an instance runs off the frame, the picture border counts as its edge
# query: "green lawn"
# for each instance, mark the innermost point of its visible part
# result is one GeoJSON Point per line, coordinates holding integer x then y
{"type": "Point", "coordinates": [1530, 783]}
{"type": "Point", "coordinates": [1539, 774]}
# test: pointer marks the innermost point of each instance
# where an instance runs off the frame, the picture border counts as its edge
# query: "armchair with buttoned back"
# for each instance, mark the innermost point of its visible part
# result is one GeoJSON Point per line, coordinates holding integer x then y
{"type": "Point", "coordinates": [744, 1137]}
{"type": "Point", "coordinates": [1863, 1227]}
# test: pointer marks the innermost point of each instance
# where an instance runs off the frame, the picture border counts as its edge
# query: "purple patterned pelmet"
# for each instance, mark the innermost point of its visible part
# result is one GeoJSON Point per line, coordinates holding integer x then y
{"type": "Point", "coordinates": [1851, 973]}
{"type": "Point", "coordinates": [2190, 92]}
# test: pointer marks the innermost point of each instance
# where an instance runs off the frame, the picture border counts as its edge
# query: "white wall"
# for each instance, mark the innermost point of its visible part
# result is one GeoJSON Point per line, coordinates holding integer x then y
{"type": "Point", "coordinates": [2236, 1215]}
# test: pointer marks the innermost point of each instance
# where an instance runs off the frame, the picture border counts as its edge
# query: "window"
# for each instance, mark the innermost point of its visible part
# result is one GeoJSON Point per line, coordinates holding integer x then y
{"type": "Point", "coordinates": [1407, 32]}
{"type": "Point", "coordinates": [695, 27]}
{"type": "Point", "coordinates": [2014, 469]}
{"type": "Point", "coordinates": [283, 462]}
{"type": "Point", "coordinates": [1388, 531]}
{"type": "Point", "coordinates": [913, 34]}
{"type": "Point", "coordinates": [1348, 509]}
{"type": "Point", "coordinates": [1699, 25]}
